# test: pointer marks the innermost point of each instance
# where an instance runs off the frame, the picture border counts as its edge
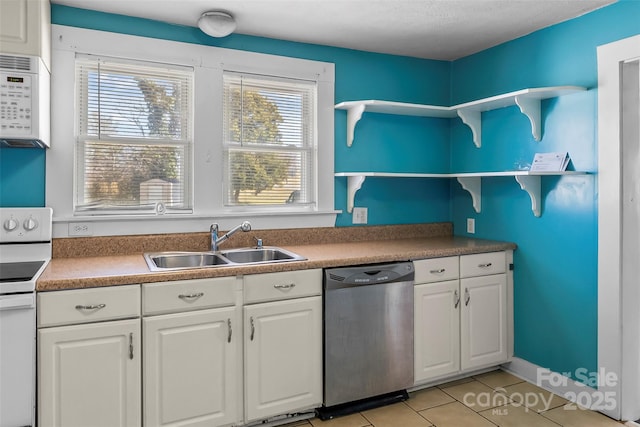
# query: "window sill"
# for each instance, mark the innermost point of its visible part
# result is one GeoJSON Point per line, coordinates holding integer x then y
{"type": "Point", "coordinates": [87, 226]}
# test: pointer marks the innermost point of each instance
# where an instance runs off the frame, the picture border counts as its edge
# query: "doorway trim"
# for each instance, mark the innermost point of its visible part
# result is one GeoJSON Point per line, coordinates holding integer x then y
{"type": "Point", "coordinates": [618, 347]}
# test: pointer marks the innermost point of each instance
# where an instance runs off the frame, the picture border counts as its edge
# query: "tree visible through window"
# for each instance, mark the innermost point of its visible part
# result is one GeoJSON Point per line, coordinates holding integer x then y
{"type": "Point", "coordinates": [134, 136]}
{"type": "Point", "coordinates": [269, 141]}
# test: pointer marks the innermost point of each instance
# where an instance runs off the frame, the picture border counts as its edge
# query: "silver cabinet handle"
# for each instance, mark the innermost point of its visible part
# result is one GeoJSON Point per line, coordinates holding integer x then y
{"type": "Point", "coordinates": [230, 330]}
{"type": "Point", "coordinates": [90, 307]}
{"type": "Point", "coordinates": [190, 296]}
{"type": "Point", "coordinates": [485, 265]}
{"type": "Point", "coordinates": [288, 286]}
{"type": "Point", "coordinates": [253, 327]}
{"type": "Point", "coordinates": [467, 296]}
{"type": "Point", "coordinates": [456, 299]}
{"type": "Point", "coordinates": [131, 346]}
{"type": "Point", "coordinates": [438, 271]}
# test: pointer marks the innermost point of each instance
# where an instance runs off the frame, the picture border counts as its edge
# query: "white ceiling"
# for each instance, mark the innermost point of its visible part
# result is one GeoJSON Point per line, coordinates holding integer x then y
{"type": "Point", "coordinates": [433, 29]}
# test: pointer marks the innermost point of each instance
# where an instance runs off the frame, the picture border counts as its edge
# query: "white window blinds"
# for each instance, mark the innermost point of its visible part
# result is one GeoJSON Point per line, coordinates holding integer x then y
{"type": "Point", "coordinates": [269, 141]}
{"type": "Point", "coordinates": [134, 136]}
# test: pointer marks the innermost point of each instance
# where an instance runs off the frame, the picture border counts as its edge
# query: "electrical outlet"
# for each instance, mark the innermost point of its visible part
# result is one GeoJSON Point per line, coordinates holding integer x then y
{"type": "Point", "coordinates": [471, 225]}
{"type": "Point", "coordinates": [80, 229]}
{"type": "Point", "coordinates": [359, 216]}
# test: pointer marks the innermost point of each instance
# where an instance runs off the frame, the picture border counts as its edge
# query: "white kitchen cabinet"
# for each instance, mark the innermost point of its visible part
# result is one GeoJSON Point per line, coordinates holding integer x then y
{"type": "Point", "coordinates": [25, 28]}
{"type": "Point", "coordinates": [484, 310]}
{"type": "Point", "coordinates": [283, 343]}
{"type": "Point", "coordinates": [462, 324]}
{"type": "Point", "coordinates": [191, 366]}
{"type": "Point", "coordinates": [437, 330]}
{"type": "Point", "coordinates": [89, 369]}
{"type": "Point", "coordinates": [89, 375]}
{"type": "Point", "coordinates": [192, 353]}
{"type": "Point", "coordinates": [436, 318]}
{"type": "Point", "coordinates": [483, 318]}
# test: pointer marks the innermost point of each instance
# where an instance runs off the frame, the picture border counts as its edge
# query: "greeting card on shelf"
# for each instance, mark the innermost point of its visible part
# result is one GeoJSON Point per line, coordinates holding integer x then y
{"type": "Point", "coordinates": [550, 162]}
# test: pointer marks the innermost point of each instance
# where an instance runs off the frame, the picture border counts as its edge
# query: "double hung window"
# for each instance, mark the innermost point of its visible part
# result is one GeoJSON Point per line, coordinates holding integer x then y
{"type": "Point", "coordinates": [269, 142]}
{"type": "Point", "coordinates": [134, 137]}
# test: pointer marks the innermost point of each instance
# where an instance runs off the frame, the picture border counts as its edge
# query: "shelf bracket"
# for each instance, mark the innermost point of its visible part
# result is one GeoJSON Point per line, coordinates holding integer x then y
{"type": "Point", "coordinates": [473, 119]}
{"type": "Point", "coordinates": [530, 107]}
{"type": "Point", "coordinates": [354, 183]}
{"type": "Point", "coordinates": [473, 185]}
{"type": "Point", "coordinates": [354, 114]}
{"type": "Point", "coordinates": [531, 184]}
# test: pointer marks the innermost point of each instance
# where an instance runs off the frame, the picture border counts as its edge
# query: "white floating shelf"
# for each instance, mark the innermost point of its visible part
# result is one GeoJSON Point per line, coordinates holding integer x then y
{"type": "Point", "coordinates": [471, 182]}
{"type": "Point", "coordinates": [528, 100]}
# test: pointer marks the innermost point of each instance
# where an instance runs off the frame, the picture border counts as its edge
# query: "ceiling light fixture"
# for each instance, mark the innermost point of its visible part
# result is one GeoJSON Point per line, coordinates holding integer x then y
{"type": "Point", "coordinates": [217, 23]}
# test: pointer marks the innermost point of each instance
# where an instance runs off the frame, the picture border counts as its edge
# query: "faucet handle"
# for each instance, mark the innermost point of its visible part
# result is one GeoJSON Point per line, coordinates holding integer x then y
{"type": "Point", "coordinates": [258, 242]}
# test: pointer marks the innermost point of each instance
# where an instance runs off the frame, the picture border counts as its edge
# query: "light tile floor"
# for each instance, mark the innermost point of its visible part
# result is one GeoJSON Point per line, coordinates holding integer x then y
{"type": "Point", "coordinates": [496, 398]}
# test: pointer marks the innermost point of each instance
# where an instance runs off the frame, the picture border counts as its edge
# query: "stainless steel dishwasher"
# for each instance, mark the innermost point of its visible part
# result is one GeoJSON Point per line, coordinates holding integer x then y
{"type": "Point", "coordinates": [368, 336]}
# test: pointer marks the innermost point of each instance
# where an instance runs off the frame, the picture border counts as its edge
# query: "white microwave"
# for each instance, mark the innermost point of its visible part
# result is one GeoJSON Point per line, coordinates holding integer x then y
{"type": "Point", "coordinates": [25, 85]}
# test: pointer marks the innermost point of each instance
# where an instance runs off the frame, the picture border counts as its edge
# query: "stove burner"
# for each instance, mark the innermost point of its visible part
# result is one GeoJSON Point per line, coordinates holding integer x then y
{"type": "Point", "coordinates": [19, 271]}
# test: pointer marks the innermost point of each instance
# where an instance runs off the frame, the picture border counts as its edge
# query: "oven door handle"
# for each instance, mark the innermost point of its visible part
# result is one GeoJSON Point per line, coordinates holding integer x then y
{"type": "Point", "coordinates": [17, 302]}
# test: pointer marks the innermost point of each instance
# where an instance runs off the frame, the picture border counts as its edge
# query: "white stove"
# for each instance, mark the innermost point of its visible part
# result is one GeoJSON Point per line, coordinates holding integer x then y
{"type": "Point", "coordinates": [25, 251]}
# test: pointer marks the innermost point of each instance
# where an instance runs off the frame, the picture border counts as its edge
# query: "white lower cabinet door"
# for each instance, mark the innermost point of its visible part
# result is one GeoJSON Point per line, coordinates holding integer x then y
{"type": "Point", "coordinates": [437, 330]}
{"type": "Point", "coordinates": [89, 375]}
{"type": "Point", "coordinates": [483, 317]}
{"type": "Point", "coordinates": [190, 368]}
{"type": "Point", "coordinates": [283, 357]}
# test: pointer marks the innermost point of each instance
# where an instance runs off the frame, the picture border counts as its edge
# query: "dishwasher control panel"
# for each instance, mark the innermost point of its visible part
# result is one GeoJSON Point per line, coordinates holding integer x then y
{"type": "Point", "coordinates": [370, 274]}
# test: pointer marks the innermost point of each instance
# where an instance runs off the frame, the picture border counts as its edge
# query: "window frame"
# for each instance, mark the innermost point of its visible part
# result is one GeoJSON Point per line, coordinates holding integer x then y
{"type": "Point", "coordinates": [208, 63]}
{"type": "Point", "coordinates": [83, 137]}
{"type": "Point", "coordinates": [311, 149]}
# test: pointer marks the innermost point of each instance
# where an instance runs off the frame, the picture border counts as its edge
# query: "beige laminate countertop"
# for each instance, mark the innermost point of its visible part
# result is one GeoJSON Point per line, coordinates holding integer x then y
{"type": "Point", "coordinates": [87, 272]}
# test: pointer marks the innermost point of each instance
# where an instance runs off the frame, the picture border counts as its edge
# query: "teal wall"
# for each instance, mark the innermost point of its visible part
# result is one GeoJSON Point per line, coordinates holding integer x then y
{"type": "Point", "coordinates": [22, 177]}
{"type": "Point", "coordinates": [555, 275]}
{"type": "Point", "coordinates": [556, 261]}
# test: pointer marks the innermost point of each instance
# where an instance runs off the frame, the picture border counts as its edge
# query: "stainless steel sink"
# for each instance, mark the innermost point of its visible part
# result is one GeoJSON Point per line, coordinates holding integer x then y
{"type": "Point", "coordinates": [163, 261]}
{"type": "Point", "coordinates": [183, 260]}
{"type": "Point", "coordinates": [260, 255]}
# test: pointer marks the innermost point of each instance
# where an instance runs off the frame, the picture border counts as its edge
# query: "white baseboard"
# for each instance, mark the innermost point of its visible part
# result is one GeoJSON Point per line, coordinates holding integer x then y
{"type": "Point", "coordinates": [554, 382]}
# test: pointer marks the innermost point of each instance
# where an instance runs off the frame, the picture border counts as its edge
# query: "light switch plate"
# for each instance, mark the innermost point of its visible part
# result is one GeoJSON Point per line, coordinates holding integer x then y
{"type": "Point", "coordinates": [359, 216]}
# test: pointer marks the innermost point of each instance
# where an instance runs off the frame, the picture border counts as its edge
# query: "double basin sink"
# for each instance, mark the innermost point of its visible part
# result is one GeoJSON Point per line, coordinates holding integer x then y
{"type": "Point", "coordinates": [163, 261]}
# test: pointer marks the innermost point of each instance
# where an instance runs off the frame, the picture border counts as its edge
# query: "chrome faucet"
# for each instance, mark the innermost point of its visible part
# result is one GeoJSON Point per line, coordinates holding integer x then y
{"type": "Point", "coordinates": [215, 241]}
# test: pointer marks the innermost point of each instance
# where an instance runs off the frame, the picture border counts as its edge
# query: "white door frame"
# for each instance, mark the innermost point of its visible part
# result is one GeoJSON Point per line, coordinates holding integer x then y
{"type": "Point", "coordinates": [618, 347]}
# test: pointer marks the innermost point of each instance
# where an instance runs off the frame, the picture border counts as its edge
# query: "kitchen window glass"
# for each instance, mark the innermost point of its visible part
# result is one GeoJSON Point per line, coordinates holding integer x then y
{"type": "Point", "coordinates": [134, 137]}
{"type": "Point", "coordinates": [269, 142]}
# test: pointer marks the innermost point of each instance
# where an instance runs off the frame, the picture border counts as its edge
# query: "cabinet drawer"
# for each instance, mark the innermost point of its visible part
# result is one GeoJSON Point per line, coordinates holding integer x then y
{"type": "Point", "coordinates": [186, 295]}
{"type": "Point", "coordinates": [88, 305]}
{"type": "Point", "coordinates": [278, 286]}
{"type": "Point", "coordinates": [483, 264]}
{"type": "Point", "coordinates": [436, 269]}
